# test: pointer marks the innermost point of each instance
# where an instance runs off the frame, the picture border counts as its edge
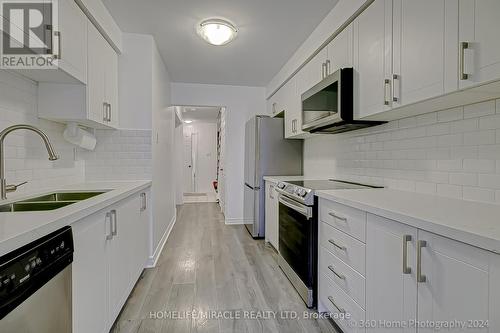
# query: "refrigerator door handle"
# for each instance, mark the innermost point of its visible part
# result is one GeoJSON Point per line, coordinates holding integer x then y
{"type": "Point", "coordinates": [251, 187]}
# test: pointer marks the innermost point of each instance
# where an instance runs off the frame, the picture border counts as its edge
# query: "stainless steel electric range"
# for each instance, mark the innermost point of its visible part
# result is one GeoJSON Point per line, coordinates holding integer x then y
{"type": "Point", "coordinates": [298, 232]}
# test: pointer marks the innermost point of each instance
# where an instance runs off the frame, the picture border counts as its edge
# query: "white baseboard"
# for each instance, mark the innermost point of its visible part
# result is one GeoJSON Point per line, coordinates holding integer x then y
{"type": "Point", "coordinates": [152, 260]}
{"type": "Point", "coordinates": [235, 221]}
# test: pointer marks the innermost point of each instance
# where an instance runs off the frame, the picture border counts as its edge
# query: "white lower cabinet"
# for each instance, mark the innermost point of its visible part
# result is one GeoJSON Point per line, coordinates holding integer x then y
{"type": "Point", "coordinates": [272, 215]}
{"type": "Point", "coordinates": [437, 281]}
{"type": "Point", "coordinates": [391, 294]}
{"type": "Point", "coordinates": [110, 254]}
{"type": "Point", "coordinates": [413, 279]}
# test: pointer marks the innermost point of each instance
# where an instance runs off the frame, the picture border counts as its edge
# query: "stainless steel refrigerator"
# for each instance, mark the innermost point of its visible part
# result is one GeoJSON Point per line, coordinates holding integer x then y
{"type": "Point", "coordinates": [266, 153]}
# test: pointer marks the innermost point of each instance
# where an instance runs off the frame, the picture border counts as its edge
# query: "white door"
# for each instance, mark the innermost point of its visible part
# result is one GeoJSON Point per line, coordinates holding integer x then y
{"type": "Point", "coordinates": [194, 159]}
{"type": "Point", "coordinates": [425, 45]}
{"type": "Point", "coordinates": [90, 272]}
{"type": "Point", "coordinates": [188, 165]}
{"type": "Point", "coordinates": [456, 285]}
{"type": "Point", "coordinates": [312, 73]}
{"type": "Point", "coordinates": [391, 291]}
{"type": "Point", "coordinates": [72, 40]}
{"type": "Point", "coordinates": [126, 213]}
{"type": "Point", "coordinates": [271, 233]}
{"type": "Point", "coordinates": [479, 25]}
{"type": "Point", "coordinates": [111, 82]}
{"type": "Point", "coordinates": [340, 50]}
{"type": "Point", "coordinates": [372, 59]}
{"type": "Point", "coordinates": [96, 87]}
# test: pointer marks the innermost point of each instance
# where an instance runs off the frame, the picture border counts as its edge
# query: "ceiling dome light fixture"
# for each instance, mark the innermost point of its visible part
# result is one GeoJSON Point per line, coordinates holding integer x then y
{"type": "Point", "coordinates": [217, 32]}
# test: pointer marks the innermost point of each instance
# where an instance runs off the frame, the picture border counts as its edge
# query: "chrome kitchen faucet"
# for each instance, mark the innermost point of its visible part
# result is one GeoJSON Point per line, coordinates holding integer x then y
{"type": "Point", "coordinates": [4, 188]}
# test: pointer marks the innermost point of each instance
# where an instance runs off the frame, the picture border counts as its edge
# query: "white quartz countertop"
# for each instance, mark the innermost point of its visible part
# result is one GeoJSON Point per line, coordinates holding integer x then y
{"type": "Point", "coordinates": [20, 228]}
{"type": "Point", "coordinates": [470, 222]}
{"type": "Point", "coordinates": [286, 178]}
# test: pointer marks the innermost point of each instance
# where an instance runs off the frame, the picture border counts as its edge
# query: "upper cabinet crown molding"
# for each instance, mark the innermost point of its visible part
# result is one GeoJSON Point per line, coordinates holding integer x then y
{"type": "Point", "coordinates": [99, 15]}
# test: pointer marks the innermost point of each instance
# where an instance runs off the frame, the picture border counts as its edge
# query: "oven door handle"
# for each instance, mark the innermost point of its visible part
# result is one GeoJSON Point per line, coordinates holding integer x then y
{"type": "Point", "coordinates": [296, 206]}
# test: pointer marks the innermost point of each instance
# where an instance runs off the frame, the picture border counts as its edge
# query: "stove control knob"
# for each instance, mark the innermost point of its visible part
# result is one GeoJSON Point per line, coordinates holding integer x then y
{"type": "Point", "coordinates": [281, 186]}
{"type": "Point", "coordinates": [303, 193]}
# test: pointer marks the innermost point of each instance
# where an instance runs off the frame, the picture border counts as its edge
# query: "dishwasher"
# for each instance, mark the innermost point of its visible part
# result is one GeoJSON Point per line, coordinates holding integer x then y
{"type": "Point", "coordinates": [35, 286]}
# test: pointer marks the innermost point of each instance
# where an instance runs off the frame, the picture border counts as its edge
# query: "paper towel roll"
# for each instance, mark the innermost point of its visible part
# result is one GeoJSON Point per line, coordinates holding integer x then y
{"type": "Point", "coordinates": [79, 137]}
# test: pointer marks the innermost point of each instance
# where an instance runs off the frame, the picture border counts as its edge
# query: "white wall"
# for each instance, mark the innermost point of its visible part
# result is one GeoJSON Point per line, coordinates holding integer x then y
{"type": "Point", "coordinates": [179, 164]}
{"type": "Point", "coordinates": [241, 104]}
{"type": "Point", "coordinates": [206, 168]}
{"type": "Point", "coordinates": [163, 118]}
{"type": "Point", "coordinates": [134, 81]}
{"type": "Point", "coordinates": [26, 158]}
{"type": "Point", "coordinates": [454, 153]}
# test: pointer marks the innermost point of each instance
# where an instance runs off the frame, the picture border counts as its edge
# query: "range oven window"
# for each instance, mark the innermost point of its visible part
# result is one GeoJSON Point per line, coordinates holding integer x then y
{"type": "Point", "coordinates": [296, 239]}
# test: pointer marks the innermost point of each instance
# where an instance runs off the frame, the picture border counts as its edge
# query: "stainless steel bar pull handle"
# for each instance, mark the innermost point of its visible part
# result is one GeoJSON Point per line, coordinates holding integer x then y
{"type": "Point", "coordinates": [387, 91]}
{"type": "Point", "coordinates": [58, 34]}
{"type": "Point", "coordinates": [110, 111]}
{"type": "Point", "coordinates": [110, 219]}
{"type": "Point", "coordinates": [105, 111]}
{"type": "Point", "coordinates": [328, 65]}
{"type": "Point", "coordinates": [406, 269]}
{"type": "Point", "coordinates": [461, 66]}
{"type": "Point", "coordinates": [395, 97]}
{"type": "Point", "coordinates": [323, 70]}
{"type": "Point", "coordinates": [115, 224]}
{"type": "Point", "coordinates": [341, 310]}
{"type": "Point", "coordinates": [340, 276]}
{"type": "Point", "coordinates": [338, 217]}
{"type": "Point", "coordinates": [420, 277]}
{"type": "Point", "coordinates": [340, 247]}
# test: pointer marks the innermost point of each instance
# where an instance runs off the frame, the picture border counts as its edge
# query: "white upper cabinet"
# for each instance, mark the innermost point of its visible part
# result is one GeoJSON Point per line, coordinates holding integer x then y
{"type": "Point", "coordinates": [72, 39]}
{"type": "Point", "coordinates": [373, 59]}
{"type": "Point", "coordinates": [340, 51]}
{"type": "Point", "coordinates": [424, 49]}
{"type": "Point", "coordinates": [391, 292]}
{"type": "Point", "coordinates": [95, 104]}
{"type": "Point", "coordinates": [69, 46]}
{"type": "Point", "coordinates": [312, 73]}
{"type": "Point", "coordinates": [479, 25]}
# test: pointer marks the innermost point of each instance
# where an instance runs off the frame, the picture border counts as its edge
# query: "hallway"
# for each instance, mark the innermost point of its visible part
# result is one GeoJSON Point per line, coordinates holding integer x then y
{"type": "Point", "coordinates": [208, 266]}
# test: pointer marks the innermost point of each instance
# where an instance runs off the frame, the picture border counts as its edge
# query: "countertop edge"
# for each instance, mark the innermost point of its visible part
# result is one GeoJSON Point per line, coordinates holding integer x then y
{"type": "Point", "coordinates": [464, 236]}
{"type": "Point", "coordinates": [16, 241]}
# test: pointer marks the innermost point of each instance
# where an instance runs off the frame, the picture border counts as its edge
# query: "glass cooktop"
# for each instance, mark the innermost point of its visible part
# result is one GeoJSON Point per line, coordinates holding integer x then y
{"type": "Point", "coordinates": [329, 184]}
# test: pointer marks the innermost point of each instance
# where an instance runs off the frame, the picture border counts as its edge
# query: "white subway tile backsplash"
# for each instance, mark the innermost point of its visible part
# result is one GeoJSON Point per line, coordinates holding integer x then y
{"type": "Point", "coordinates": [479, 138]}
{"type": "Point", "coordinates": [450, 114]}
{"type": "Point", "coordinates": [477, 165]}
{"type": "Point", "coordinates": [489, 122]}
{"type": "Point", "coordinates": [479, 194]}
{"type": "Point", "coordinates": [479, 109]}
{"type": "Point", "coordinates": [26, 156]}
{"type": "Point", "coordinates": [454, 153]}
{"type": "Point", "coordinates": [489, 181]}
{"type": "Point", "coordinates": [469, 179]}
{"type": "Point", "coordinates": [119, 155]}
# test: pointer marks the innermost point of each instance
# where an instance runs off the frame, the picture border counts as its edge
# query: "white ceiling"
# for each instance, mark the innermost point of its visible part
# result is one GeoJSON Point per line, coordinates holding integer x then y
{"type": "Point", "coordinates": [269, 32]}
{"type": "Point", "coordinates": [206, 114]}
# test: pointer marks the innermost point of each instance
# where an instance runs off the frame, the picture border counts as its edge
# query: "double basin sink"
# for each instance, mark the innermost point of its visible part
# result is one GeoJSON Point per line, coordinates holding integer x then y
{"type": "Point", "coordinates": [49, 201]}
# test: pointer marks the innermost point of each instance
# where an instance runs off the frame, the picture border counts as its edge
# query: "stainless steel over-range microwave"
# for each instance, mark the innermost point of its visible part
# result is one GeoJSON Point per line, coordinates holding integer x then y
{"type": "Point", "coordinates": [328, 107]}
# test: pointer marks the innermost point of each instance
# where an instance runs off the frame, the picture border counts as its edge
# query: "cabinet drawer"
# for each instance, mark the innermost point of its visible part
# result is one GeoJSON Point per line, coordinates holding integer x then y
{"type": "Point", "coordinates": [348, 249]}
{"type": "Point", "coordinates": [350, 281]}
{"type": "Point", "coordinates": [350, 220]}
{"type": "Point", "coordinates": [335, 300]}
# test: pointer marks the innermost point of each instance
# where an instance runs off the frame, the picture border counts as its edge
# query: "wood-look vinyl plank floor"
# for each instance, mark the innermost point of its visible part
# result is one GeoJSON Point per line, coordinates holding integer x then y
{"type": "Point", "coordinates": [209, 266]}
